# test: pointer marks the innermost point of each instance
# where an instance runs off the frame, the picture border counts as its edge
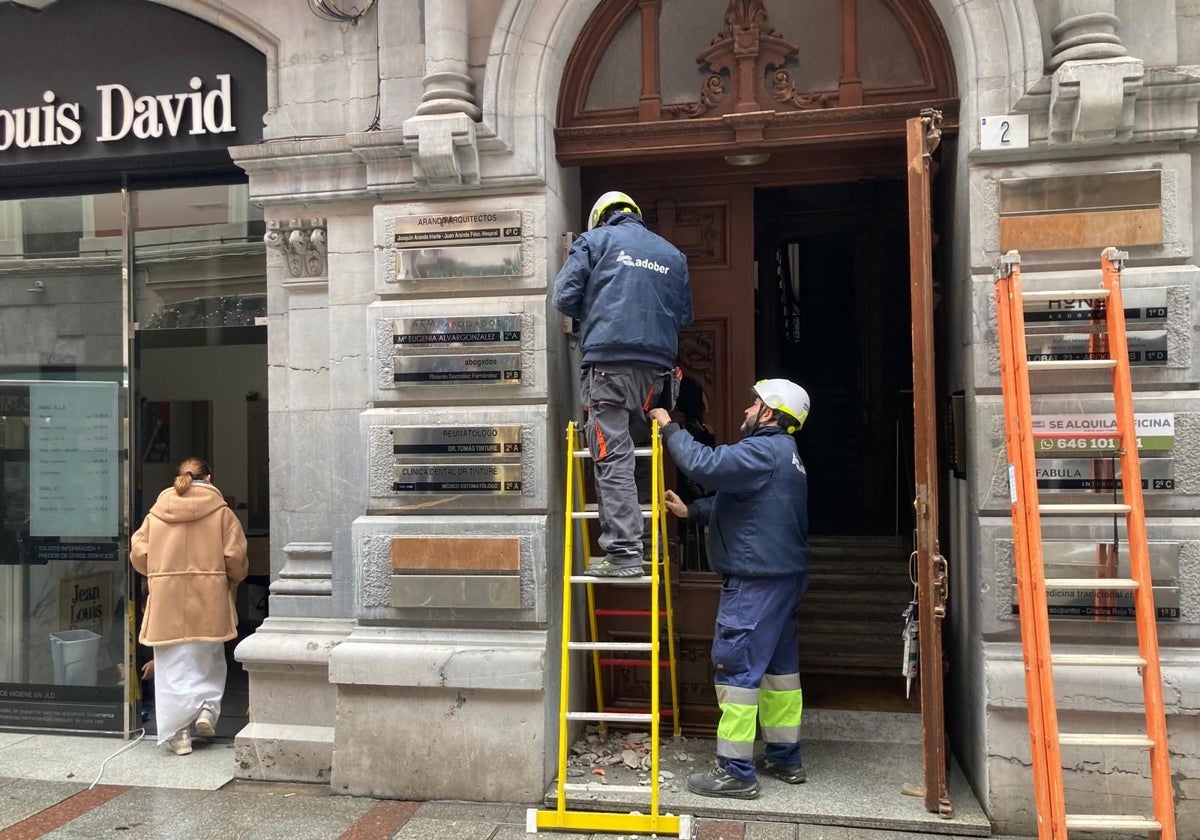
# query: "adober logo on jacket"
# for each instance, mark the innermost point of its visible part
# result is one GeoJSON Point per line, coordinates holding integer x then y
{"type": "Point", "coordinates": [626, 260]}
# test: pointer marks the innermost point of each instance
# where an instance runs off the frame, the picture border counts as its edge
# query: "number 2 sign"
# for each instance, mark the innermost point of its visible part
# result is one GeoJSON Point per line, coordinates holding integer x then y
{"type": "Point", "coordinates": [1004, 132]}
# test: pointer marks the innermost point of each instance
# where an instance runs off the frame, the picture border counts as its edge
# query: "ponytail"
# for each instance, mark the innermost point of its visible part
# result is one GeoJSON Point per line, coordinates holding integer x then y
{"type": "Point", "coordinates": [190, 470]}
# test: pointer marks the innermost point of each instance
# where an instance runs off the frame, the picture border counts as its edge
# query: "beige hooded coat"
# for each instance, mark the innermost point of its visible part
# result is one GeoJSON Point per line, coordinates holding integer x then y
{"type": "Point", "coordinates": [193, 551]}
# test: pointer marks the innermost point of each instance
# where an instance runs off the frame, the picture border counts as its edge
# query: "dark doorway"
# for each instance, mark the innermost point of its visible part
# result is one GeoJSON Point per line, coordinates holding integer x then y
{"type": "Point", "coordinates": [832, 313]}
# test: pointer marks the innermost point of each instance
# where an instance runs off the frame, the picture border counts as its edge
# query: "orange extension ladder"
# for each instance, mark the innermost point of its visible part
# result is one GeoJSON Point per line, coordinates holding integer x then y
{"type": "Point", "coordinates": [1046, 741]}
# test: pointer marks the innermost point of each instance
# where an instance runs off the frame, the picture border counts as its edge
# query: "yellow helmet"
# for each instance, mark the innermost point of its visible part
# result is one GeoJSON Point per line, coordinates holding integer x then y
{"type": "Point", "coordinates": [782, 395]}
{"type": "Point", "coordinates": [613, 199]}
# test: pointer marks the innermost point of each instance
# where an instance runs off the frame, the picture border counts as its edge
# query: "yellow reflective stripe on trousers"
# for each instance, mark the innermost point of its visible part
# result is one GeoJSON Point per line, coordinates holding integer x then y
{"type": "Point", "coordinates": [739, 721]}
{"type": "Point", "coordinates": [780, 704]}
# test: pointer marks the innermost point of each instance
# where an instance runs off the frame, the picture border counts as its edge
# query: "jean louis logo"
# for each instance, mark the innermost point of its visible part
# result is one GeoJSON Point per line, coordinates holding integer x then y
{"type": "Point", "coordinates": [196, 111]}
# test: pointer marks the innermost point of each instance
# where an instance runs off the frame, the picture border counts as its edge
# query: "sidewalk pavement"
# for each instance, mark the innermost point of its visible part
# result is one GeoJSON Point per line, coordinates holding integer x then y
{"type": "Point", "coordinates": [82, 788]}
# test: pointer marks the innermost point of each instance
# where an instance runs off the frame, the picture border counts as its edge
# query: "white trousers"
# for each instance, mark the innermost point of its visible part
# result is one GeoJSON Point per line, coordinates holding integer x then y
{"type": "Point", "coordinates": [188, 676]}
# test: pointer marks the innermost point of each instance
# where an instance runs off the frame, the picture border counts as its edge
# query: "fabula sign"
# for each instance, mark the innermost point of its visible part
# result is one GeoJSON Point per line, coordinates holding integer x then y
{"type": "Point", "coordinates": [203, 108]}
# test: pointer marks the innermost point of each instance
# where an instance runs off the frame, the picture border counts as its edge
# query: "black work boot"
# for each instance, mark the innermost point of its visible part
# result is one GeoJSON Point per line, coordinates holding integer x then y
{"type": "Point", "coordinates": [793, 774]}
{"type": "Point", "coordinates": [718, 782]}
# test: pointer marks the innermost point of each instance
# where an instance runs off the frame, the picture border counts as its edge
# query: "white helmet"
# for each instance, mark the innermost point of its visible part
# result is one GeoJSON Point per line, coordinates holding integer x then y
{"type": "Point", "coordinates": [782, 395]}
{"type": "Point", "coordinates": [611, 199]}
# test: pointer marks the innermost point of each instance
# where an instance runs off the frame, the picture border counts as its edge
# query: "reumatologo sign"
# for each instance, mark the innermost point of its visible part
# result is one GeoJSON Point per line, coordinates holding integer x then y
{"type": "Point", "coordinates": [202, 109]}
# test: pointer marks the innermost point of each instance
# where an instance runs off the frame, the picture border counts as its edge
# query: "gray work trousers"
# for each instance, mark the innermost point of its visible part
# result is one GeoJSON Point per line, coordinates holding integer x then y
{"type": "Point", "coordinates": [616, 398]}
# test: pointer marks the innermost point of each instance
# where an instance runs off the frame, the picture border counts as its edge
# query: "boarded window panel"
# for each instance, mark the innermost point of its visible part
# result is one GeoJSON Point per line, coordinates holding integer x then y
{"type": "Point", "coordinates": [685, 29]}
{"type": "Point", "coordinates": [618, 79]}
{"type": "Point", "coordinates": [1066, 212]}
{"type": "Point", "coordinates": [886, 57]}
{"type": "Point", "coordinates": [1086, 229]}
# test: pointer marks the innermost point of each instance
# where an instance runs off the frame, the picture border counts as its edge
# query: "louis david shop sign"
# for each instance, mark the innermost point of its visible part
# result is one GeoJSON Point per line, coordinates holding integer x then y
{"type": "Point", "coordinates": [121, 114]}
{"type": "Point", "coordinates": [129, 80]}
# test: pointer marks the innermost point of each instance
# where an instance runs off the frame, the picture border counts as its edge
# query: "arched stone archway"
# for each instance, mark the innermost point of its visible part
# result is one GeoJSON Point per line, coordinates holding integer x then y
{"type": "Point", "coordinates": [997, 56]}
{"type": "Point", "coordinates": [997, 50]}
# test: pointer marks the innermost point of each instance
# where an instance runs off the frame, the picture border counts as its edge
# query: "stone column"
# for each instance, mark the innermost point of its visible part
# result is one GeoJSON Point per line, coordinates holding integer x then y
{"type": "Point", "coordinates": [1096, 82]}
{"type": "Point", "coordinates": [448, 87]}
{"type": "Point", "coordinates": [290, 735]}
{"type": "Point", "coordinates": [1087, 29]}
{"type": "Point", "coordinates": [441, 136]}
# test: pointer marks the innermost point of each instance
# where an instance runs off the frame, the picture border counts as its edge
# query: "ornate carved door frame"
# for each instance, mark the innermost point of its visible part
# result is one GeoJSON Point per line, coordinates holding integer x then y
{"type": "Point", "coordinates": [749, 100]}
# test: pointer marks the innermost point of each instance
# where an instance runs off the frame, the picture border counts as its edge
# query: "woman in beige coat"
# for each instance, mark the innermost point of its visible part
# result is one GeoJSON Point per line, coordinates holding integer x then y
{"type": "Point", "coordinates": [192, 550]}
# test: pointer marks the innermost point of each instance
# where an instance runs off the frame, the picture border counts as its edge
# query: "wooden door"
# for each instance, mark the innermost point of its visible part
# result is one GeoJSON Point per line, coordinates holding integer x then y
{"type": "Point", "coordinates": [714, 227]}
{"type": "Point", "coordinates": [924, 134]}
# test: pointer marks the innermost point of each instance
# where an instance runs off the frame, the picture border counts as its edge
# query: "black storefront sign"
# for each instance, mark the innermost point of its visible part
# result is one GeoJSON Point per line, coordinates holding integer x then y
{"type": "Point", "coordinates": [86, 708]}
{"type": "Point", "coordinates": [128, 82]}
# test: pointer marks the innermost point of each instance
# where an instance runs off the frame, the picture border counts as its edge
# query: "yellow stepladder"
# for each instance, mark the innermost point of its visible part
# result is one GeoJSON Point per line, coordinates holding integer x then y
{"type": "Point", "coordinates": [561, 818]}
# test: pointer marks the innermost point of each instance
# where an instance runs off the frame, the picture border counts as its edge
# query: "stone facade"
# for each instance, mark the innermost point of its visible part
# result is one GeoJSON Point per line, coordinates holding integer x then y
{"type": "Point", "coordinates": [432, 108]}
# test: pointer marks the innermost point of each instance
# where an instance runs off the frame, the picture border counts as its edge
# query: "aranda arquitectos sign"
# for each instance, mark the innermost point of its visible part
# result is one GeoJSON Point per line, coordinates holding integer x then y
{"type": "Point", "coordinates": [121, 113]}
{"type": "Point", "coordinates": [133, 86]}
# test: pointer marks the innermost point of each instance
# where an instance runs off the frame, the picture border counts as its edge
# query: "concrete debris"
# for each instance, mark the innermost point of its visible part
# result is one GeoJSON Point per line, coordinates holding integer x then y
{"type": "Point", "coordinates": [625, 753]}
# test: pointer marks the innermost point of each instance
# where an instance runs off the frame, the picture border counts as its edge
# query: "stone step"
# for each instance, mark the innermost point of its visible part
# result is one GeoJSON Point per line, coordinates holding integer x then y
{"type": "Point", "coordinates": [876, 727]}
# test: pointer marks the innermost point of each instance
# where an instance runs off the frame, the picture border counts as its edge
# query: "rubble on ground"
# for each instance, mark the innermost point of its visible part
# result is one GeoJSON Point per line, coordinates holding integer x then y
{"type": "Point", "coordinates": [601, 757]}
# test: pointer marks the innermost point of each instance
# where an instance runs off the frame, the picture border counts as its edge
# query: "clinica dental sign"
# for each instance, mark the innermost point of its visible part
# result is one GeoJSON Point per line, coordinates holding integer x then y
{"type": "Point", "coordinates": [200, 110]}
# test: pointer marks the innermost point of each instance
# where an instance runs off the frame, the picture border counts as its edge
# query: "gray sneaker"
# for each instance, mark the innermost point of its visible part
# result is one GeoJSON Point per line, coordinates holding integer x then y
{"type": "Point", "coordinates": [607, 568]}
{"type": "Point", "coordinates": [718, 782]}
{"type": "Point", "coordinates": [793, 774]}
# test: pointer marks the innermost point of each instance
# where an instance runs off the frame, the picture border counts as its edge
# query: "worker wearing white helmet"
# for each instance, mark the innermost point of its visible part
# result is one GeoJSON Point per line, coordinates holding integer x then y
{"type": "Point", "coordinates": [758, 541]}
{"type": "Point", "coordinates": [629, 289]}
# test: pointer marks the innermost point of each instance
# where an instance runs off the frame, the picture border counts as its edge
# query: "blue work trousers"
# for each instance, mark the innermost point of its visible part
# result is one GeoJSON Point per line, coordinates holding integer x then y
{"type": "Point", "coordinates": [756, 664]}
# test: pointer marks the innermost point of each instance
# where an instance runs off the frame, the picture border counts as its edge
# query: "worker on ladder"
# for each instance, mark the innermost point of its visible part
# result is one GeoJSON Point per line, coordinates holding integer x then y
{"type": "Point", "coordinates": [758, 542]}
{"type": "Point", "coordinates": [629, 289]}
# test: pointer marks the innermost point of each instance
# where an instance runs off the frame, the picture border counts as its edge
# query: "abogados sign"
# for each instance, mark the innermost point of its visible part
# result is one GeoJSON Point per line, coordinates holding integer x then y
{"type": "Point", "coordinates": [122, 80]}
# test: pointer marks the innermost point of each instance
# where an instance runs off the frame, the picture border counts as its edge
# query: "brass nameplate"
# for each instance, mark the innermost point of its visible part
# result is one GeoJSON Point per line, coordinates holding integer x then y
{"type": "Point", "coordinates": [456, 440]}
{"type": "Point", "coordinates": [473, 368]}
{"type": "Point", "coordinates": [457, 478]}
{"type": "Point", "coordinates": [455, 332]}
{"type": "Point", "coordinates": [1081, 559]}
{"type": "Point", "coordinates": [1146, 347]}
{"type": "Point", "coordinates": [1139, 305]}
{"type": "Point", "coordinates": [458, 228]}
{"type": "Point", "coordinates": [1082, 475]}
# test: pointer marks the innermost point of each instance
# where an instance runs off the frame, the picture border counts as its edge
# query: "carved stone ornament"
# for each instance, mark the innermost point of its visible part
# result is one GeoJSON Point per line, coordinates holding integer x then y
{"type": "Point", "coordinates": [302, 243]}
{"type": "Point", "coordinates": [1092, 102]}
{"type": "Point", "coordinates": [445, 151]}
{"type": "Point", "coordinates": [747, 49]}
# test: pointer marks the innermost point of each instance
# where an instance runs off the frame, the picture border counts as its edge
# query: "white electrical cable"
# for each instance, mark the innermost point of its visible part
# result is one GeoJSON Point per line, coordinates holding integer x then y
{"type": "Point", "coordinates": [128, 746]}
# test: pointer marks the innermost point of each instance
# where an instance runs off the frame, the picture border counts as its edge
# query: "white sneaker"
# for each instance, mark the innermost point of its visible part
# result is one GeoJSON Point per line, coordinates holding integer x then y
{"type": "Point", "coordinates": [206, 723]}
{"type": "Point", "coordinates": [181, 744]}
